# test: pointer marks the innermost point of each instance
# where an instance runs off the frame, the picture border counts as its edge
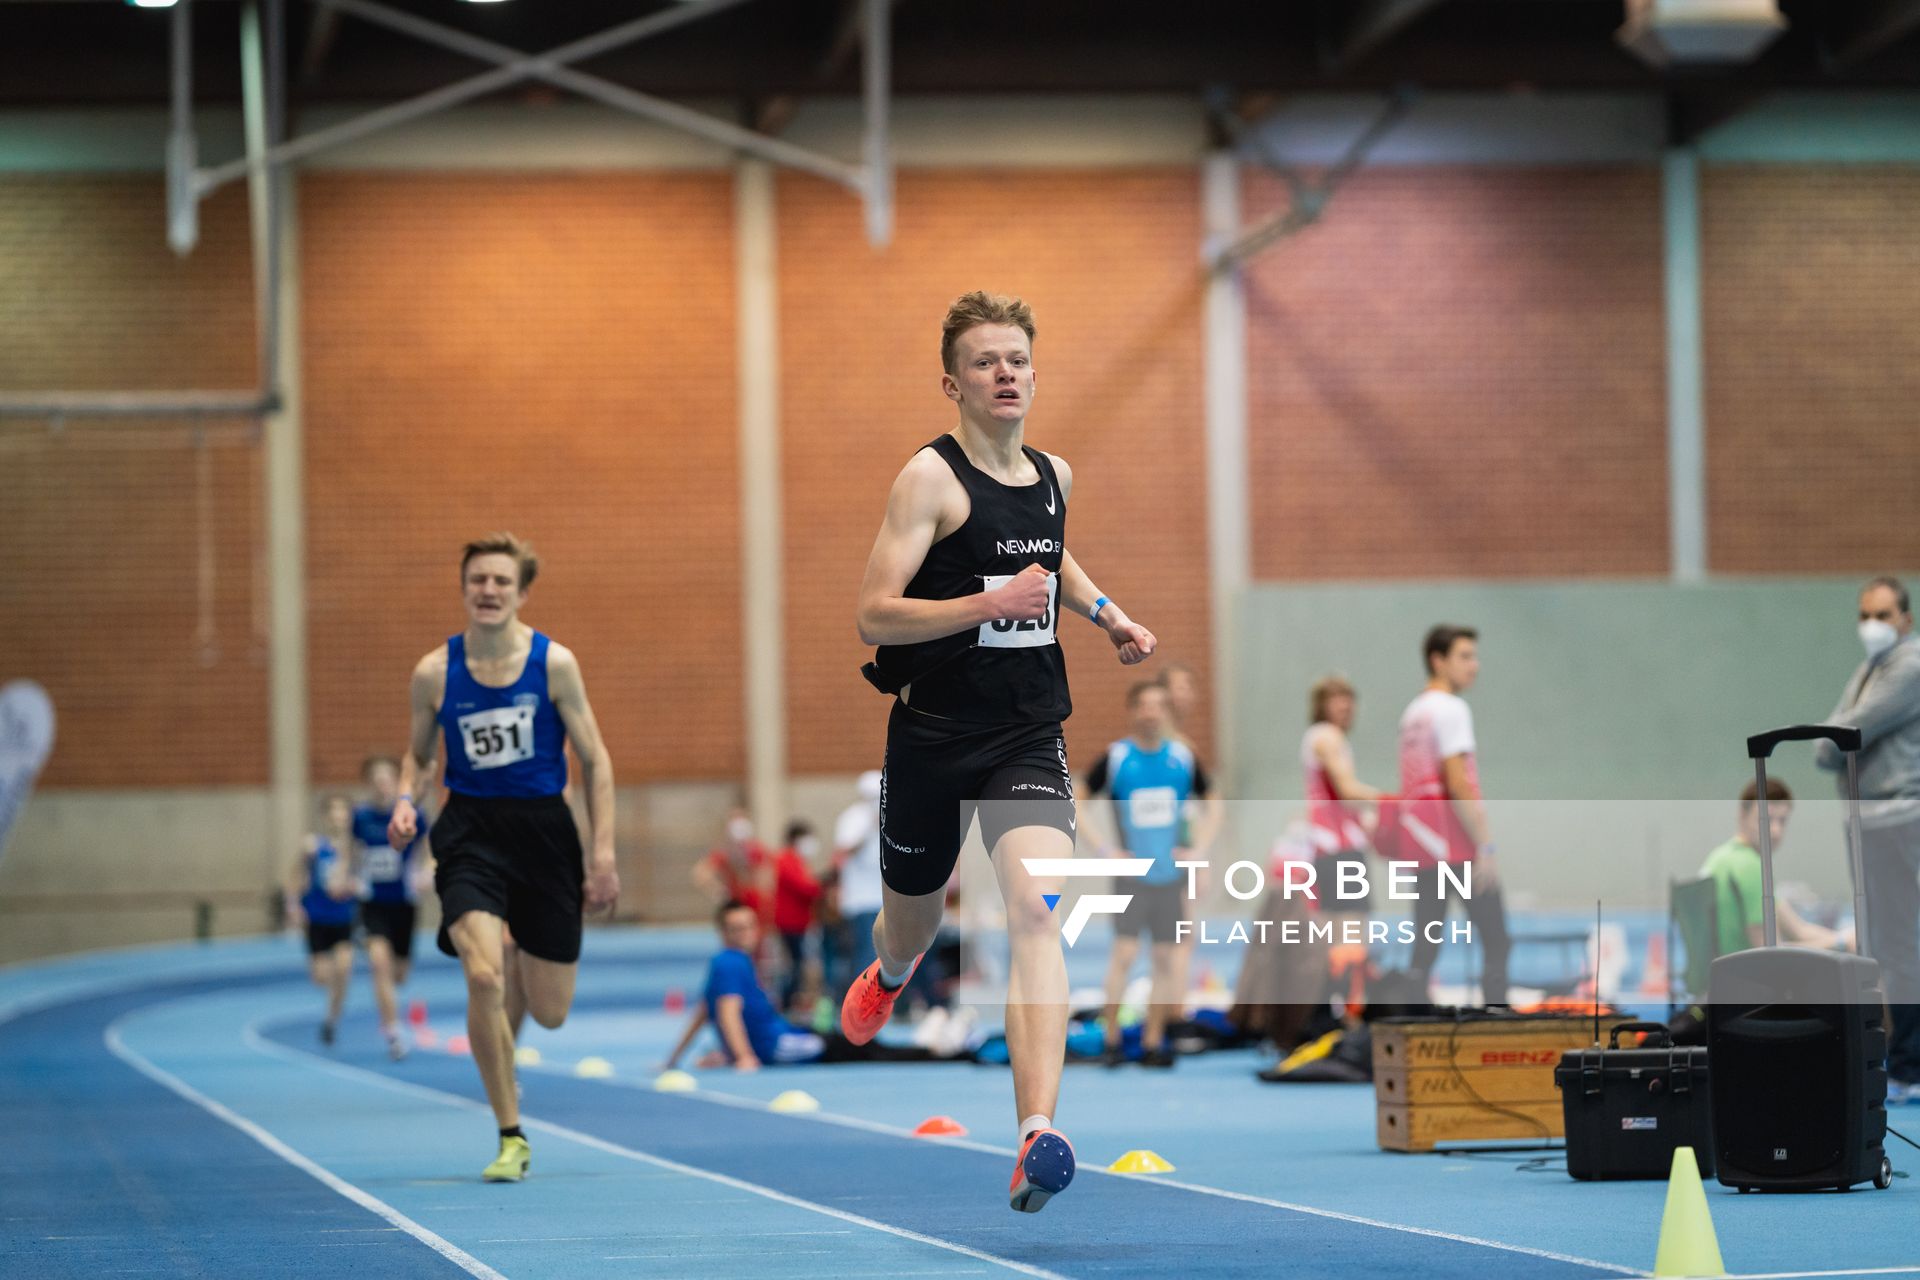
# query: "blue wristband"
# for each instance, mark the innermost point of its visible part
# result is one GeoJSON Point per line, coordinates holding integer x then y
{"type": "Point", "coordinates": [1098, 605]}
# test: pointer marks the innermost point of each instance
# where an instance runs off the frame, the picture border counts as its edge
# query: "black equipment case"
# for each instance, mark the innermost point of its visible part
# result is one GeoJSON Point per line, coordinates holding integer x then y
{"type": "Point", "coordinates": [1626, 1110]}
{"type": "Point", "coordinates": [1797, 1037]}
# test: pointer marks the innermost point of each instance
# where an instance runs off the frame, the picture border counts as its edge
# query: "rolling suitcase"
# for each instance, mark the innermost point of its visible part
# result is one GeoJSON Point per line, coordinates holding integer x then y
{"type": "Point", "coordinates": [1797, 1038]}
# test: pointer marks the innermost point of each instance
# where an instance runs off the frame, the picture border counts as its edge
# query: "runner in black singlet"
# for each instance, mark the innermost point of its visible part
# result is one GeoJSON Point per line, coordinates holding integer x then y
{"type": "Point", "coordinates": [962, 596]}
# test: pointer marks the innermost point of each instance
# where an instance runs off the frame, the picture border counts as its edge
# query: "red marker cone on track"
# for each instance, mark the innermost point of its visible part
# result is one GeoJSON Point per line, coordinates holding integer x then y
{"type": "Point", "coordinates": [1653, 976]}
{"type": "Point", "coordinates": [940, 1127]}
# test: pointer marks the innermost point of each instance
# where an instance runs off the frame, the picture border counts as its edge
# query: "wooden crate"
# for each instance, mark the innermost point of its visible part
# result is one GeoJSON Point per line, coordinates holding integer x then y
{"type": "Point", "coordinates": [1444, 1086]}
{"type": "Point", "coordinates": [1466, 1081]}
{"type": "Point", "coordinates": [1423, 1128]}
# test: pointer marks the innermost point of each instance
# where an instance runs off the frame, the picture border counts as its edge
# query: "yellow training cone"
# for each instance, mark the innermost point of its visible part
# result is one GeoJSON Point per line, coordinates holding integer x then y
{"type": "Point", "coordinates": [1688, 1246]}
{"type": "Point", "coordinates": [675, 1082]}
{"type": "Point", "coordinates": [593, 1068]}
{"type": "Point", "coordinates": [1140, 1162]}
{"type": "Point", "coordinates": [794, 1100]}
{"type": "Point", "coordinates": [526, 1056]}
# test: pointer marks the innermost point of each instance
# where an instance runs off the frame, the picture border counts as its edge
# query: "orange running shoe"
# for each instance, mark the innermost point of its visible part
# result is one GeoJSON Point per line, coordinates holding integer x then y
{"type": "Point", "coordinates": [868, 1004]}
{"type": "Point", "coordinates": [1043, 1171]}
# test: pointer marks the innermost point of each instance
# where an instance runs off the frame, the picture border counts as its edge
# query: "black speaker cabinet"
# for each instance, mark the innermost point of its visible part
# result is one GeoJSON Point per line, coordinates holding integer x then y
{"type": "Point", "coordinates": [1798, 1045]}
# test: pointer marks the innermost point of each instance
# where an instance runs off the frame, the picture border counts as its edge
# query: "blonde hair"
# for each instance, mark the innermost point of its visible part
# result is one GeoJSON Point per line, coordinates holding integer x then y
{"type": "Point", "coordinates": [503, 544]}
{"type": "Point", "coordinates": [1324, 690]}
{"type": "Point", "coordinates": [971, 310]}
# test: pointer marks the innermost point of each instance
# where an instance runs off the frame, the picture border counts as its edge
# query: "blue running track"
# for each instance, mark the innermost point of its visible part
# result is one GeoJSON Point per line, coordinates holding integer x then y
{"type": "Point", "coordinates": [171, 1113]}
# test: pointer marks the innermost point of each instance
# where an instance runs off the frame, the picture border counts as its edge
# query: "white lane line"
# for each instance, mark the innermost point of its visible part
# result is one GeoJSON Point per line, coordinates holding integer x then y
{"type": "Point", "coordinates": [870, 1126]}
{"type": "Point", "coordinates": [440, 1245]}
{"type": "Point", "coordinates": [665, 1235]}
{"type": "Point", "coordinates": [253, 1039]}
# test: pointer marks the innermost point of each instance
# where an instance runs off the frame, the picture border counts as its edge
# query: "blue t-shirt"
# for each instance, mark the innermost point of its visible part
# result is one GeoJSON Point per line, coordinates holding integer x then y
{"type": "Point", "coordinates": [385, 870]}
{"type": "Point", "coordinates": [1149, 789]}
{"type": "Point", "coordinates": [322, 907]}
{"type": "Point", "coordinates": [731, 974]}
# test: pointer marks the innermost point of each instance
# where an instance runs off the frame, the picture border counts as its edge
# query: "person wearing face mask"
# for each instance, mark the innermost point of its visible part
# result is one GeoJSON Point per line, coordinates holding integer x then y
{"type": "Point", "coordinates": [1882, 700]}
{"type": "Point", "coordinates": [795, 890]}
{"type": "Point", "coordinates": [738, 869]}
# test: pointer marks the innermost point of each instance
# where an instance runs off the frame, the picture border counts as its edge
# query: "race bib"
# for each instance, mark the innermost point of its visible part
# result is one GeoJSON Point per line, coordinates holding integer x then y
{"type": "Point", "coordinates": [499, 737]}
{"type": "Point", "coordinates": [1035, 633]}
{"type": "Point", "coordinates": [383, 863]}
{"type": "Point", "coordinates": [1152, 808]}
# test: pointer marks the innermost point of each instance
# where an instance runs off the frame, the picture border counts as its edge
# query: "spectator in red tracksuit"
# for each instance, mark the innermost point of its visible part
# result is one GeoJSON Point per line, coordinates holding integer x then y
{"type": "Point", "coordinates": [738, 869]}
{"type": "Point", "coordinates": [795, 892]}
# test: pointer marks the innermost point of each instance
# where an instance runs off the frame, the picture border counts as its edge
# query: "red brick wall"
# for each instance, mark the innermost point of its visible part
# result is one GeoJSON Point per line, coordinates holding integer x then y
{"type": "Point", "coordinates": [1458, 372]}
{"type": "Point", "coordinates": [1812, 324]}
{"type": "Point", "coordinates": [1108, 261]}
{"type": "Point", "coordinates": [1461, 372]}
{"type": "Point", "coordinates": [157, 673]}
{"type": "Point", "coordinates": [550, 354]}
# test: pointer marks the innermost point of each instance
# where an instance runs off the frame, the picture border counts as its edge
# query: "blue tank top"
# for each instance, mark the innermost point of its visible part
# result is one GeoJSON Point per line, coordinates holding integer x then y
{"type": "Point", "coordinates": [1149, 790]}
{"type": "Point", "coordinates": [502, 742]}
{"type": "Point", "coordinates": [384, 868]}
{"type": "Point", "coordinates": [322, 907]}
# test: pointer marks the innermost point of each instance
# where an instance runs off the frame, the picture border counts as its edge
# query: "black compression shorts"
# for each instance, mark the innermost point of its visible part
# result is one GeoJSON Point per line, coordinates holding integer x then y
{"type": "Point", "coordinates": [939, 773]}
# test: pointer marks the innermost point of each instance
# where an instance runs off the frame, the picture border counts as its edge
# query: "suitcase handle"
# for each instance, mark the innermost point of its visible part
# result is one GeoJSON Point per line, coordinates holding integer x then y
{"type": "Point", "coordinates": [1848, 739]}
{"type": "Point", "coordinates": [1651, 1028]}
{"type": "Point", "coordinates": [1760, 746]}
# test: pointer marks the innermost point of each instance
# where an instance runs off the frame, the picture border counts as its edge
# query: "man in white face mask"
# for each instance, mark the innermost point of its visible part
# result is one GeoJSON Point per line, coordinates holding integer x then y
{"type": "Point", "coordinates": [1882, 700]}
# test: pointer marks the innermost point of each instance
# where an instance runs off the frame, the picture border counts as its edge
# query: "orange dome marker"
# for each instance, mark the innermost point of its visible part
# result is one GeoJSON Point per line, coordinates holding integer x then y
{"type": "Point", "coordinates": [940, 1127]}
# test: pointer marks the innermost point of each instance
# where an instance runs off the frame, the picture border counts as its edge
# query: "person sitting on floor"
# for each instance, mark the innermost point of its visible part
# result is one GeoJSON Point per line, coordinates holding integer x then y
{"type": "Point", "coordinates": [1740, 907]}
{"type": "Point", "coordinates": [752, 1032]}
{"type": "Point", "coordinates": [1735, 870]}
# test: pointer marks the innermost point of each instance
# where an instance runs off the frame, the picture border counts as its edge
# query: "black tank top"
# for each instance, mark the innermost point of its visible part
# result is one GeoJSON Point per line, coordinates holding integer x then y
{"type": "Point", "coordinates": [1000, 672]}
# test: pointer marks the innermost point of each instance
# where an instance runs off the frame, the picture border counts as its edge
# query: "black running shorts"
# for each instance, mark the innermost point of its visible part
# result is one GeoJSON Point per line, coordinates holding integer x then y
{"type": "Point", "coordinates": [392, 921]}
{"type": "Point", "coordinates": [1155, 909]}
{"type": "Point", "coordinates": [325, 937]}
{"type": "Point", "coordinates": [519, 859]}
{"type": "Point", "coordinates": [940, 772]}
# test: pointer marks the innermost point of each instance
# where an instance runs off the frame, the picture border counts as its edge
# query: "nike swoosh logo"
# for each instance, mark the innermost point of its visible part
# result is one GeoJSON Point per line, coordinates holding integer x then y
{"type": "Point", "coordinates": [1050, 510]}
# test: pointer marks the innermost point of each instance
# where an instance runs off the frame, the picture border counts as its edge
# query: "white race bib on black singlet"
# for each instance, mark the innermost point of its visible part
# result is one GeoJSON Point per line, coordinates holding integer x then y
{"type": "Point", "coordinates": [1036, 633]}
{"type": "Point", "coordinates": [499, 737]}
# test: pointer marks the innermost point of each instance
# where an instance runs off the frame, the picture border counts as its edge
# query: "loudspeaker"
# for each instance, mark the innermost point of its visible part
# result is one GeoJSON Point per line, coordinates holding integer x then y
{"type": "Point", "coordinates": [1798, 1043]}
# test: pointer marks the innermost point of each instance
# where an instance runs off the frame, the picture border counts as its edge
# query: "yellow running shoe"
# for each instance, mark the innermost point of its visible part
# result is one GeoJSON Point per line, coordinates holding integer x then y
{"type": "Point", "coordinates": [511, 1164]}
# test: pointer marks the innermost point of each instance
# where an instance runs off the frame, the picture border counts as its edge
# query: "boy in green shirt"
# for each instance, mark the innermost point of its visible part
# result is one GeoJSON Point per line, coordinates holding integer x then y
{"type": "Point", "coordinates": [1735, 868]}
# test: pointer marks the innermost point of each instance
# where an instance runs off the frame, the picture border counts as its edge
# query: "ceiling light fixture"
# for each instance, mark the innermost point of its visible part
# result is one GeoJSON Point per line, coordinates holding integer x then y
{"type": "Point", "coordinates": [1700, 31]}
